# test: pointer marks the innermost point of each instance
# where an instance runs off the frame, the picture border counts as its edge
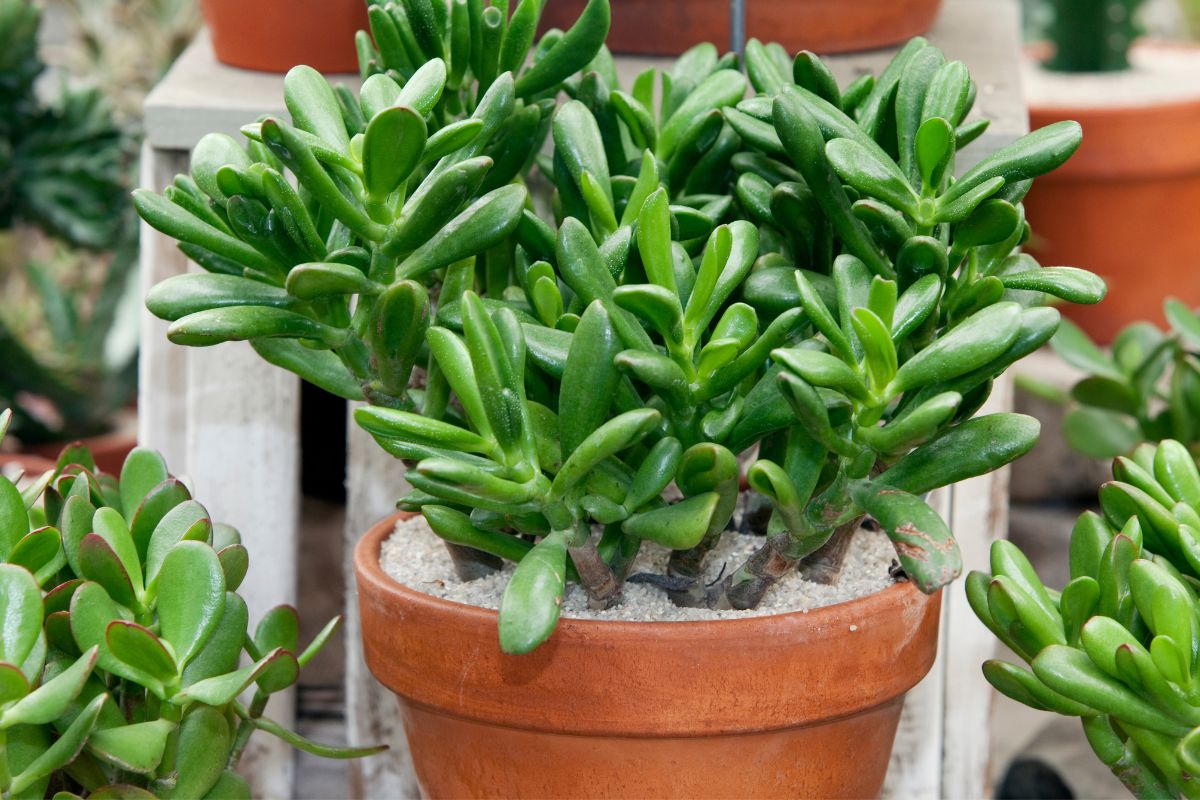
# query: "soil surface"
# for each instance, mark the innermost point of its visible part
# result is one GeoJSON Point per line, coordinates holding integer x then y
{"type": "Point", "coordinates": [1160, 72]}
{"type": "Point", "coordinates": [416, 557]}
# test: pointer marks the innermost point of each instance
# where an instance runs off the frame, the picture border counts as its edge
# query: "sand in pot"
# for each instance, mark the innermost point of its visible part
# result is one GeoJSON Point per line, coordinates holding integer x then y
{"type": "Point", "coordinates": [1159, 72]}
{"type": "Point", "coordinates": [416, 557]}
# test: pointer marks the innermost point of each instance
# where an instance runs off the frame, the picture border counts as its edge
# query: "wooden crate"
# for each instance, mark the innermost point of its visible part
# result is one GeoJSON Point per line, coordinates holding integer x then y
{"type": "Point", "coordinates": [230, 421]}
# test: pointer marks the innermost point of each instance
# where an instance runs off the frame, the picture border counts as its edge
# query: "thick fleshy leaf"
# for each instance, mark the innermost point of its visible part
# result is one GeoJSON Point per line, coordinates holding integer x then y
{"type": "Point", "coordinates": [222, 650]}
{"type": "Point", "coordinates": [392, 149]}
{"type": "Point", "coordinates": [201, 752]}
{"type": "Point", "coordinates": [50, 700]}
{"type": "Point", "coordinates": [975, 447]}
{"type": "Point", "coordinates": [143, 470]}
{"type": "Point", "coordinates": [41, 553]}
{"type": "Point", "coordinates": [678, 526]}
{"type": "Point", "coordinates": [135, 748]}
{"type": "Point", "coordinates": [221, 689]}
{"type": "Point", "coordinates": [141, 649]}
{"type": "Point", "coordinates": [973, 343]}
{"type": "Point", "coordinates": [20, 613]}
{"type": "Point", "coordinates": [64, 750]}
{"type": "Point", "coordinates": [279, 627]}
{"type": "Point", "coordinates": [108, 524]}
{"type": "Point", "coordinates": [188, 520]}
{"type": "Point", "coordinates": [154, 506]}
{"type": "Point", "coordinates": [590, 379]}
{"type": "Point", "coordinates": [98, 562]}
{"type": "Point", "coordinates": [1067, 283]}
{"type": "Point", "coordinates": [235, 563]}
{"type": "Point", "coordinates": [14, 518]}
{"type": "Point", "coordinates": [530, 607]}
{"type": "Point", "coordinates": [924, 544]}
{"type": "Point", "coordinates": [191, 595]}
{"type": "Point", "coordinates": [13, 685]}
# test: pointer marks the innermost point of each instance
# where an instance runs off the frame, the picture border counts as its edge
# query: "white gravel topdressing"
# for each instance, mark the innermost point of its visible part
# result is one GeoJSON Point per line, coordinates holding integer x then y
{"type": "Point", "coordinates": [416, 557]}
{"type": "Point", "coordinates": [1158, 73]}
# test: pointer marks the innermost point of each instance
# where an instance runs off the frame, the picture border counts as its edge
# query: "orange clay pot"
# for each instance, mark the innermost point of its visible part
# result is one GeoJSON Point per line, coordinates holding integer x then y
{"type": "Point", "coordinates": [276, 35]}
{"type": "Point", "coordinates": [668, 27]}
{"type": "Point", "coordinates": [789, 706]}
{"type": "Point", "coordinates": [1126, 206]}
{"type": "Point", "coordinates": [108, 449]}
{"type": "Point", "coordinates": [32, 465]}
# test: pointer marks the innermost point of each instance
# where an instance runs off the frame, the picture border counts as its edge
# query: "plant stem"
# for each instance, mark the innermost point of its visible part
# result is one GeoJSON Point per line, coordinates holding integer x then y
{"type": "Point", "coordinates": [825, 564]}
{"type": "Point", "coordinates": [596, 577]}
{"type": "Point", "coordinates": [471, 564]}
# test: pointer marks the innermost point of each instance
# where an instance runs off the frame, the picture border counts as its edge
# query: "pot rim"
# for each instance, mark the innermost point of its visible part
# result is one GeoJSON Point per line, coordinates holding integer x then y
{"type": "Point", "coordinates": [678, 679]}
{"type": "Point", "coordinates": [367, 564]}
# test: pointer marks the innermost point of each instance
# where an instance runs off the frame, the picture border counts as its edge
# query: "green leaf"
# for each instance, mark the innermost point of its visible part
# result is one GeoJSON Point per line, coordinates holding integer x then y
{"type": "Point", "coordinates": [530, 607]}
{"type": "Point", "coordinates": [110, 526]}
{"type": "Point", "coordinates": [324, 751]}
{"type": "Point", "coordinates": [230, 786]}
{"type": "Point", "coordinates": [1099, 433]}
{"type": "Point", "coordinates": [1074, 347]}
{"type": "Point", "coordinates": [241, 323]}
{"type": "Point", "coordinates": [279, 627]}
{"type": "Point", "coordinates": [64, 750]}
{"type": "Point", "coordinates": [484, 224]}
{"type": "Point", "coordinates": [41, 553]}
{"type": "Point", "coordinates": [14, 518]}
{"type": "Point", "coordinates": [571, 53]}
{"type": "Point", "coordinates": [315, 281]}
{"type": "Point", "coordinates": [222, 689]}
{"type": "Point", "coordinates": [392, 149]}
{"type": "Point", "coordinates": [13, 685]}
{"type": "Point", "coordinates": [679, 526]}
{"type": "Point", "coordinates": [99, 562]}
{"type": "Point", "coordinates": [143, 470]}
{"type": "Point", "coordinates": [860, 167]}
{"type": "Point", "coordinates": [191, 595]}
{"type": "Point", "coordinates": [977, 340]}
{"type": "Point", "coordinates": [314, 107]}
{"type": "Point", "coordinates": [221, 652]}
{"type": "Point", "coordinates": [589, 381]}
{"type": "Point", "coordinates": [924, 544]}
{"type": "Point", "coordinates": [135, 748]}
{"type": "Point", "coordinates": [975, 447]}
{"type": "Point", "coordinates": [187, 521]}
{"type": "Point", "coordinates": [51, 700]}
{"type": "Point", "coordinates": [606, 441]}
{"type": "Point", "coordinates": [20, 613]}
{"type": "Point", "coordinates": [201, 752]}
{"type": "Point", "coordinates": [1183, 321]}
{"type": "Point", "coordinates": [1067, 283]}
{"type": "Point", "coordinates": [141, 649]}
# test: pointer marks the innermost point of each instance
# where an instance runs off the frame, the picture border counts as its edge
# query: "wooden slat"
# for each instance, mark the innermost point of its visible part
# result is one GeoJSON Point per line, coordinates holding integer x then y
{"type": "Point", "coordinates": [374, 480]}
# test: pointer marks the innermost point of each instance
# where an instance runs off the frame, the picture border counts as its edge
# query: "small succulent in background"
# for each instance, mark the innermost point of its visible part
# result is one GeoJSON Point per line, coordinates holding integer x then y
{"type": "Point", "coordinates": [1117, 645]}
{"type": "Point", "coordinates": [1089, 35]}
{"type": "Point", "coordinates": [1145, 388]}
{"type": "Point", "coordinates": [67, 248]}
{"type": "Point", "coordinates": [120, 652]}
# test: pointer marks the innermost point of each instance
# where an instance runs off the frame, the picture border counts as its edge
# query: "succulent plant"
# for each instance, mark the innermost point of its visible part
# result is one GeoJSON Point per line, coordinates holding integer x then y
{"type": "Point", "coordinates": [1091, 35]}
{"type": "Point", "coordinates": [64, 367]}
{"type": "Point", "coordinates": [1117, 645]}
{"type": "Point", "coordinates": [1145, 388]}
{"type": "Point", "coordinates": [592, 374]}
{"type": "Point", "coordinates": [122, 636]}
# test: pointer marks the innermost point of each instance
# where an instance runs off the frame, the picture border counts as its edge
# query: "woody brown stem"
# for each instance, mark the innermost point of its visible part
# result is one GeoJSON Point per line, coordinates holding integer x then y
{"type": "Point", "coordinates": [595, 576]}
{"type": "Point", "coordinates": [471, 564]}
{"type": "Point", "coordinates": [826, 563]}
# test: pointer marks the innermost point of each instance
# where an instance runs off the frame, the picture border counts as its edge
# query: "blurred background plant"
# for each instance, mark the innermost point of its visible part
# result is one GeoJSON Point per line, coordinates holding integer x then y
{"type": "Point", "coordinates": [69, 119]}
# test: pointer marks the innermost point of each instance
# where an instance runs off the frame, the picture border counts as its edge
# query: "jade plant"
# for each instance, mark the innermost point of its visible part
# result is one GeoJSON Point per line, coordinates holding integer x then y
{"type": "Point", "coordinates": [122, 639]}
{"type": "Point", "coordinates": [1117, 645]}
{"type": "Point", "coordinates": [1146, 388]}
{"type": "Point", "coordinates": [574, 348]}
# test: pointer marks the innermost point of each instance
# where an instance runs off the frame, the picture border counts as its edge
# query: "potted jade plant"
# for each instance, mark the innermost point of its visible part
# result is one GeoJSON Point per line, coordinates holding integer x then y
{"type": "Point", "coordinates": [1117, 645]}
{"type": "Point", "coordinates": [576, 322]}
{"type": "Point", "coordinates": [1145, 388]}
{"type": "Point", "coordinates": [67, 257]}
{"type": "Point", "coordinates": [123, 634]}
{"type": "Point", "coordinates": [1096, 210]}
{"type": "Point", "coordinates": [668, 27]}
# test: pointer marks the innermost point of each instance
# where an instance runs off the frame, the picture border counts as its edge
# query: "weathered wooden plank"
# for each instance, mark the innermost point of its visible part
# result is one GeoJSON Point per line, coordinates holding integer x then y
{"type": "Point", "coordinates": [979, 516]}
{"type": "Point", "coordinates": [374, 480]}
{"type": "Point", "coordinates": [915, 770]}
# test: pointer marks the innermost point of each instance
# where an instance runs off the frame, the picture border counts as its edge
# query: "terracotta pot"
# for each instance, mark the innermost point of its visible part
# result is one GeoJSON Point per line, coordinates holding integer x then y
{"type": "Point", "coordinates": [276, 35]}
{"type": "Point", "coordinates": [793, 705]}
{"type": "Point", "coordinates": [30, 464]}
{"type": "Point", "coordinates": [108, 450]}
{"type": "Point", "coordinates": [1125, 206]}
{"type": "Point", "coordinates": [668, 27]}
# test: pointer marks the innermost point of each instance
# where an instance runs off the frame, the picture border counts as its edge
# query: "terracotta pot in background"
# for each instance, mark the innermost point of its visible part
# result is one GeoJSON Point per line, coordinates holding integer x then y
{"type": "Point", "coordinates": [108, 449]}
{"type": "Point", "coordinates": [276, 35]}
{"type": "Point", "coordinates": [30, 464]}
{"type": "Point", "coordinates": [793, 705]}
{"type": "Point", "coordinates": [1126, 206]}
{"type": "Point", "coordinates": [668, 27]}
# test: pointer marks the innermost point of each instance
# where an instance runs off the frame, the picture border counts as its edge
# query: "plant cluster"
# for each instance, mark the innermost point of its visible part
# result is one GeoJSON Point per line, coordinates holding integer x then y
{"type": "Point", "coordinates": [1117, 646]}
{"type": "Point", "coordinates": [572, 349]}
{"type": "Point", "coordinates": [63, 172]}
{"type": "Point", "coordinates": [121, 636]}
{"type": "Point", "coordinates": [1146, 388]}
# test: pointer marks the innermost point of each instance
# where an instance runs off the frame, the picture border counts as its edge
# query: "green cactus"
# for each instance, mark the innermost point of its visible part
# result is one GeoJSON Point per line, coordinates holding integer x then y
{"type": "Point", "coordinates": [1092, 35]}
